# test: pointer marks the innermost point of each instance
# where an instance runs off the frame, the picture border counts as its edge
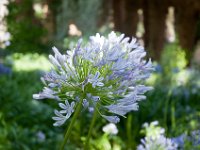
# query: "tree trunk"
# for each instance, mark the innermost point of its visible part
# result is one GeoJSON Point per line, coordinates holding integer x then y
{"type": "Point", "coordinates": [131, 17]}
{"type": "Point", "coordinates": [105, 13]}
{"type": "Point", "coordinates": [154, 23]}
{"type": "Point", "coordinates": [50, 20]}
{"type": "Point", "coordinates": [186, 24]}
{"type": "Point", "coordinates": [119, 15]}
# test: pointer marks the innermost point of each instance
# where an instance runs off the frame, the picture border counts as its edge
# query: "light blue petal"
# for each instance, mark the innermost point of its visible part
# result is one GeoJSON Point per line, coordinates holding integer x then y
{"type": "Point", "coordinates": [112, 119]}
{"type": "Point", "coordinates": [100, 84]}
{"type": "Point", "coordinates": [62, 106]}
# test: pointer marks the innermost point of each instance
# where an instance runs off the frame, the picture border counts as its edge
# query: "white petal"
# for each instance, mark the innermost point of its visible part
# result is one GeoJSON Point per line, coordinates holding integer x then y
{"type": "Point", "coordinates": [57, 118]}
{"type": "Point", "coordinates": [59, 123]}
{"type": "Point", "coordinates": [36, 96]}
{"type": "Point", "coordinates": [62, 106]}
{"type": "Point", "coordinates": [63, 111]}
{"type": "Point", "coordinates": [100, 84]}
{"type": "Point", "coordinates": [58, 113]}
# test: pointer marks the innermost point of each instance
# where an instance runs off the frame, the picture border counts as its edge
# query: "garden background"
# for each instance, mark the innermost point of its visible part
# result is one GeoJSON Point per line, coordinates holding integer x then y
{"type": "Point", "coordinates": [170, 32]}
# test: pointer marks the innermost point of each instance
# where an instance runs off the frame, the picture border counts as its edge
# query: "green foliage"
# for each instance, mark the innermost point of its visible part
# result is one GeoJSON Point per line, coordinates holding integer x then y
{"type": "Point", "coordinates": [28, 62]}
{"type": "Point", "coordinates": [26, 30]}
{"type": "Point", "coordinates": [173, 57]}
{"type": "Point", "coordinates": [24, 122]}
{"type": "Point", "coordinates": [172, 69]}
{"type": "Point", "coordinates": [82, 13]}
{"type": "Point", "coordinates": [21, 117]}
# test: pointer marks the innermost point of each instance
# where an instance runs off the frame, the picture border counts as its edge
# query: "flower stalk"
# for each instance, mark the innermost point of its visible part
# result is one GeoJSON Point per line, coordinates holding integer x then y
{"type": "Point", "coordinates": [90, 130]}
{"type": "Point", "coordinates": [77, 111]}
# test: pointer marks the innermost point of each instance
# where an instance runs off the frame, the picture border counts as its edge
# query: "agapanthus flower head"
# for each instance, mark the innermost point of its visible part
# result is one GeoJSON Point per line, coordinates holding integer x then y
{"type": "Point", "coordinates": [106, 74]}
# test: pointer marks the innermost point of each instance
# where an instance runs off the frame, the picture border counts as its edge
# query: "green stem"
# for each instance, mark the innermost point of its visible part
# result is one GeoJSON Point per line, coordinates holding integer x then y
{"type": "Point", "coordinates": [166, 108]}
{"type": "Point", "coordinates": [128, 131]}
{"type": "Point", "coordinates": [78, 109]}
{"type": "Point", "coordinates": [90, 130]}
{"type": "Point", "coordinates": [173, 117]}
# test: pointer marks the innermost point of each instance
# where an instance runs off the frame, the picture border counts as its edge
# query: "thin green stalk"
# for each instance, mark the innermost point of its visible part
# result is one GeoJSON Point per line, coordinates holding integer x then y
{"type": "Point", "coordinates": [128, 131]}
{"type": "Point", "coordinates": [173, 117]}
{"type": "Point", "coordinates": [166, 108]}
{"type": "Point", "coordinates": [77, 111]}
{"type": "Point", "coordinates": [90, 130]}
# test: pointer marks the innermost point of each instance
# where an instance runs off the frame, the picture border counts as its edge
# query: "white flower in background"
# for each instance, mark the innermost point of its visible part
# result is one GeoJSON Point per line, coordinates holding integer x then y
{"type": "Point", "coordinates": [106, 75]}
{"type": "Point", "coordinates": [153, 130]}
{"type": "Point", "coordinates": [155, 139]}
{"type": "Point", "coordinates": [160, 143]}
{"type": "Point", "coordinates": [110, 128]}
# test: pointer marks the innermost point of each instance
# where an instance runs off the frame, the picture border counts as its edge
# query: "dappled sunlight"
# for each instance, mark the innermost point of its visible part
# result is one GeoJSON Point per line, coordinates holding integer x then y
{"type": "Point", "coordinates": [29, 62]}
{"type": "Point", "coordinates": [41, 11]}
{"type": "Point", "coordinates": [74, 31]}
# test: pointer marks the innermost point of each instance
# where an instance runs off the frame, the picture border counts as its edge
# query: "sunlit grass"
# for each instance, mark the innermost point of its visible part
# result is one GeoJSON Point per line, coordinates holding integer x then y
{"type": "Point", "coordinates": [29, 62]}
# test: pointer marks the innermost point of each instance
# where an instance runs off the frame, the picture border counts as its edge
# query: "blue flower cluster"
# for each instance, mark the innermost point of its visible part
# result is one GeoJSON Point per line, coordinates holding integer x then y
{"type": "Point", "coordinates": [106, 74]}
